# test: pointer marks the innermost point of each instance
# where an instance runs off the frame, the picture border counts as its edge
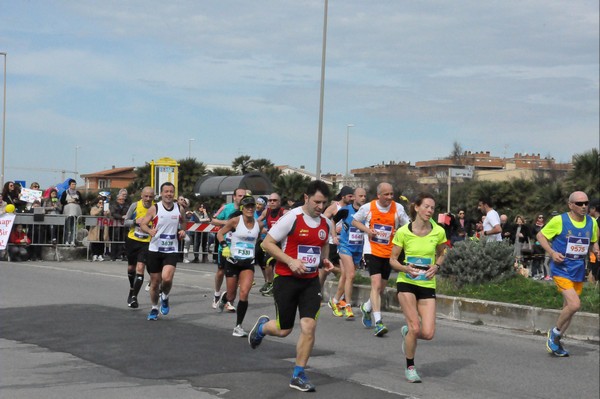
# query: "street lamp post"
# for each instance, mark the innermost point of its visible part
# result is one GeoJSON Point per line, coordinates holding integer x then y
{"type": "Point", "coordinates": [190, 148]}
{"type": "Point", "coordinates": [3, 123]}
{"type": "Point", "coordinates": [320, 135]}
{"type": "Point", "coordinates": [348, 126]}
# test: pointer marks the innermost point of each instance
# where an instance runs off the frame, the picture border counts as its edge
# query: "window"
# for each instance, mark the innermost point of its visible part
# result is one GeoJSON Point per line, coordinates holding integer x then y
{"type": "Point", "coordinates": [103, 183]}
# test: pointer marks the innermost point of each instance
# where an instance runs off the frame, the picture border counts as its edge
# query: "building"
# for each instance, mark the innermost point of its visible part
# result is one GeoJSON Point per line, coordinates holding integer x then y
{"type": "Point", "coordinates": [111, 179]}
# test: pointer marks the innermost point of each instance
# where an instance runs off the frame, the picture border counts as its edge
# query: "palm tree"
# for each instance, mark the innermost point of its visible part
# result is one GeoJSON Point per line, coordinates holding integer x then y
{"type": "Point", "coordinates": [242, 164]}
{"type": "Point", "coordinates": [190, 171]}
{"type": "Point", "coordinates": [292, 186]}
{"type": "Point", "coordinates": [220, 171]}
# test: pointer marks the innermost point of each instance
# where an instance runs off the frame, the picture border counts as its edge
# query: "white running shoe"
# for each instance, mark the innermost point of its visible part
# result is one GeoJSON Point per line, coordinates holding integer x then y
{"type": "Point", "coordinates": [238, 331]}
{"type": "Point", "coordinates": [229, 307]}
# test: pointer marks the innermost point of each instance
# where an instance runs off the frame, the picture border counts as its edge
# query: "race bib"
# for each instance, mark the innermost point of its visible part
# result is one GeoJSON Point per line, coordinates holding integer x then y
{"type": "Point", "coordinates": [355, 236]}
{"type": "Point", "coordinates": [577, 247]}
{"type": "Point", "coordinates": [311, 257]}
{"type": "Point", "coordinates": [418, 263]}
{"type": "Point", "coordinates": [139, 233]}
{"type": "Point", "coordinates": [167, 243]}
{"type": "Point", "coordinates": [383, 233]}
{"type": "Point", "coordinates": [243, 250]}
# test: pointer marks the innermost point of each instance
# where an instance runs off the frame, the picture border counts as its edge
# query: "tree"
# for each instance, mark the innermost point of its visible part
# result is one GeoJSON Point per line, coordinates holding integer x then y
{"type": "Point", "coordinates": [242, 164]}
{"type": "Point", "coordinates": [457, 154]}
{"type": "Point", "coordinates": [585, 174]}
{"type": "Point", "coordinates": [292, 186]}
{"type": "Point", "coordinates": [142, 179]}
{"type": "Point", "coordinates": [190, 171]}
{"type": "Point", "coordinates": [220, 171]}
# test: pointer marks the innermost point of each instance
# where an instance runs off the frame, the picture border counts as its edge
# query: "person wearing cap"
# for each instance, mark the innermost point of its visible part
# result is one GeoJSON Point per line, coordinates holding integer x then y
{"type": "Point", "coordinates": [337, 304]}
{"type": "Point", "coordinates": [568, 238]}
{"type": "Point", "coordinates": [379, 219]}
{"type": "Point", "coordinates": [220, 218]}
{"type": "Point", "coordinates": [350, 249]}
{"type": "Point", "coordinates": [239, 256]}
{"type": "Point", "coordinates": [269, 217]}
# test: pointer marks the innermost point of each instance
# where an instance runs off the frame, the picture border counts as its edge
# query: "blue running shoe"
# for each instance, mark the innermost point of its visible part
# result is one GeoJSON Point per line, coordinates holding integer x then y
{"type": "Point", "coordinates": [404, 333]}
{"type": "Point", "coordinates": [554, 346]}
{"type": "Point", "coordinates": [366, 316]}
{"type": "Point", "coordinates": [253, 338]}
{"type": "Point", "coordinates": [153, 315]}
{"type": "Point", "coordinates": [164, 306]}
{"type": "Point", "coordinates": [302, 383]}
{"type": "Point", "coordinates": [380, 329]}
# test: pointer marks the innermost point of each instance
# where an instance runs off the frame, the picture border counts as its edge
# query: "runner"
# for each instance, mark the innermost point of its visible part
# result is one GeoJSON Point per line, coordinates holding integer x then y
{"type": "Point", "coordinates": [239, 259]}
{"type": "Point", "coordinates": [166, 217]}
{"type": "Point", "coordinates": [269, 217]}
{"type": "Point", "coordinates": [350, 250]}
{"type": "Point", "coordinates": [303, 234]}
{"type": "Point", "coordinates": [136, 245]}
{"type": "Point", "coordinates": [573, 234]}
{"type": "Point", "coordinates": [220, 219]}
{"type": "Point", "coordinates": [423, 242]}
{"type": "Point", "coordinates": [382, 216]}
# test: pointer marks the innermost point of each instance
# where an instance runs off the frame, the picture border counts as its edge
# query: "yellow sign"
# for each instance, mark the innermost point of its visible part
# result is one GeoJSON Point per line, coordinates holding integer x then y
{"type": "Point", "coordinates": [162, 171]}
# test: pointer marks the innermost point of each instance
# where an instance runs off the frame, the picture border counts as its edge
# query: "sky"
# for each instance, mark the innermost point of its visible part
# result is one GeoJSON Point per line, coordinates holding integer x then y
{"type": "Point", "coordinates": [96, 84]}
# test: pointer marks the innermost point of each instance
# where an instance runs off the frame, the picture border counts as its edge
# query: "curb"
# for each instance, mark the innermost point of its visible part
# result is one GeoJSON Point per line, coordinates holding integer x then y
{"type": "Point", "coordinates": [584, 326]}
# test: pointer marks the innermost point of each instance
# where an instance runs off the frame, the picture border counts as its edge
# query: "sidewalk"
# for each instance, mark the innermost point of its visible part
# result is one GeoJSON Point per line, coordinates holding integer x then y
{"type": "Point", "coordinates": [585, 326]}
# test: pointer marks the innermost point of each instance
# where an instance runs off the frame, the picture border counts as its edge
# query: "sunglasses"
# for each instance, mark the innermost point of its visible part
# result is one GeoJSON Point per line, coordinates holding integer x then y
{"type": "Point", "coordinates": [581, 203]}
{"type": "Point", "coordinates": [540, 217]}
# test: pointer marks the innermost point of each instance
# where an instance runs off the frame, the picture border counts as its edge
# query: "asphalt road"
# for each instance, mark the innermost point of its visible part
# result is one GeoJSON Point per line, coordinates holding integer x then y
{"type": "Point", "coordinates": [66, 332]}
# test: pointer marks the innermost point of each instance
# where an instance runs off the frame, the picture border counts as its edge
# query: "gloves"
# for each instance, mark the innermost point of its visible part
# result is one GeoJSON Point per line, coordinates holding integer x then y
{"type": "Point", "coordinates": [226, 253]}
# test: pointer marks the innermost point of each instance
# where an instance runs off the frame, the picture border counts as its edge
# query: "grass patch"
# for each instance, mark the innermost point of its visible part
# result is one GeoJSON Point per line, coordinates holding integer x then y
{"type": "Point", "coordinates": [518, 290]}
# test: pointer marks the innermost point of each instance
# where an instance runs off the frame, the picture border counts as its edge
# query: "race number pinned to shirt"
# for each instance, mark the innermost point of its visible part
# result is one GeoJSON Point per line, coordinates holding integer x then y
{"type": "Point", "coordinates": [383, 233]}
{"type": "Point", "coordinates": [243, 250]}
{"type": "Point", "coordinates": [355, 236]}
{"type": "Point", "coordinates": [577, 247]}
{"type": "Point", "coordinates": [310, 255]}
{"type": "Point", "coordinates": [418, 263]}
{"type": "Point", "coordinates": [168, 243]}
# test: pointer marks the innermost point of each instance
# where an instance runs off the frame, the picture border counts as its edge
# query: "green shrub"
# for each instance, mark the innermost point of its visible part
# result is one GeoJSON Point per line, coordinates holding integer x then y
{"type": "Point", "coordinates": [476, 262]}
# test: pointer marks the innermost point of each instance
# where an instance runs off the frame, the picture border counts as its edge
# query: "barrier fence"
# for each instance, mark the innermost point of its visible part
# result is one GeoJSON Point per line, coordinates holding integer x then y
{"type": "Point", "coordinates": [102, 236]}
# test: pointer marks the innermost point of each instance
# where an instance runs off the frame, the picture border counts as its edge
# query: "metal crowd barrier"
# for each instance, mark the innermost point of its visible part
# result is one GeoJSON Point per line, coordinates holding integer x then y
{"type": "Point", "coordinates": [62, 231]}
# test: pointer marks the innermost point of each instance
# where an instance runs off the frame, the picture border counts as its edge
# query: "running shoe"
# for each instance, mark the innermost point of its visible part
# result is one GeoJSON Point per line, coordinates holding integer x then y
{"type": "Point", "coordinates": [302, 383]}
{"type": "Point", "coordinates": [153, 315]}
{"type": "Point", "coordinates": [100, 258]}
{"type": "Point", "coordinates": [380, 329]}
{"type": "Point", "coordinates": [269, 290]}
{"type": "Point", "coordinates": [264, 288]}
{"type": "Point", "coordinates": [349, 312]}
{"type": "Point", "coordinates": [133, 302]}
{"type": "Point", "coordinates": [186, 260]}
{"type": "Point", "coordinates": [334, 308]}
{"type": "Point", "coordinates": [229, 307]}
{"type": "Point", "coordinates": [547, 278]}
{"type": "Point", "coordinates": [216, 301]}
{"type": "Point", "coordinates": [164, 305]}
{"type": "Point", "coordinates": [554, 346]}
{"type": "Point", "coordinates": [253, 339]}
{"type": "Point", "coordinates": [129, 297]}
{"type": "Point", "coordinates": [95, 258]}
{"type": "Point", "coordinates": [412, 375]}
{"type": "Point", "coordinates": [404, 333]}
{"type": "Point", "coordinates": [220, 303]}
{"type": "Point", "coordinates": [238, 331]}
{"type": "Point", "coordinates": [366, 316]}
{"type": "Point", "coordinates": [342, 304]}
{"type": "Point", "coordinates": [147, 287]}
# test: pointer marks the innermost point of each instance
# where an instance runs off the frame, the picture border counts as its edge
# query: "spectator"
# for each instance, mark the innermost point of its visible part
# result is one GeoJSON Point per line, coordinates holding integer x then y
{"type": "Point", "coordinates": [2, 205]}
{"type": "Point", "coordinates": [537, 272]}
{"type": "Point", "coordinates": [35, 233]}
{"type": "Point", "coordinates": [506, 228]}
{"type": "Point", "coordinates": [460, 235]}
{"type": "Point", "coordinates": [118, 209]}
{"type": "Point", "coordinates": [71, 203]}
{"type": "Point", "coordinates": [18, 251]}
{"type": "Point", "coordinates": [98, 234]}
{"type": "Point", "coordinates": [52, 206]}
{"type": "Point", "coordinates": [462, 221]}
{"type": "Point", "coordinates": [10, 194]}
{"type": "Point", "coordinates": [519, 236]}
{"type": "Point", "coordinates": [200, 239]}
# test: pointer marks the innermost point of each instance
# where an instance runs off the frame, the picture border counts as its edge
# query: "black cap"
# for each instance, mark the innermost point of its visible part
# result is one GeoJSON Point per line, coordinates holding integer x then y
{"type": "Point", "coordinates": [247, 200]}
{"type": "Point", "coordinates": [345, 191]}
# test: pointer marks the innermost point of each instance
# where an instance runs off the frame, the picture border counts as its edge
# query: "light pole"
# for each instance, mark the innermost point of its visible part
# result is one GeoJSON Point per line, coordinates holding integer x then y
{"type": "Point", "coordinates": [320, 136]}
{"type": "Point", "coordinates": [190, 148]}
{"type": "Point", "coordinates": [3, 123]}
{"type": "Point", "coordinates": [77, 147]}
{"type": "Point", "coordinates": [348, 126]}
